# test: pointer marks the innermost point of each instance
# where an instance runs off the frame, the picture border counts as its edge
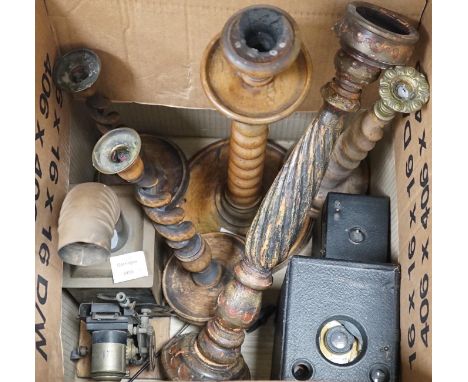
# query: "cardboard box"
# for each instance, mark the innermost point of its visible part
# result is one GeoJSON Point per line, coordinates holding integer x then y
{"type": "Point", "coordinates": [151, 53]}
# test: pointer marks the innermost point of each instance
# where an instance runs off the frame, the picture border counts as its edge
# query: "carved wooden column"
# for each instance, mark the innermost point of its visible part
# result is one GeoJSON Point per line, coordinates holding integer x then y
{"type": "Point", "coordinates": [255, 72]}
{"type": "Point", "coordinates": [215, 353]}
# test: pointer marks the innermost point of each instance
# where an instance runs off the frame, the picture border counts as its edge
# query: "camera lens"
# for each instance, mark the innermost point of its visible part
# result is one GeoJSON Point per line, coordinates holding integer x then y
{"type": "Point", "coordinates": [339, 340]}
{"type": "Point", "coordinates": [356, 235]}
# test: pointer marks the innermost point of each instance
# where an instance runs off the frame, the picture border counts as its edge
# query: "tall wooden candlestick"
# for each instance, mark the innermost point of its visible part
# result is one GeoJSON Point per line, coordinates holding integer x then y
{"type": "Point", "coordinates": [255, 72]}
{"type": "Point", "coordinates": [371, 38]}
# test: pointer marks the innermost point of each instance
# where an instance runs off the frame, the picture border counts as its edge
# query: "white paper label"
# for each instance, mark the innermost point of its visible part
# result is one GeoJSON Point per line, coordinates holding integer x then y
{"type": "Point", "coordinates": [130, 266]}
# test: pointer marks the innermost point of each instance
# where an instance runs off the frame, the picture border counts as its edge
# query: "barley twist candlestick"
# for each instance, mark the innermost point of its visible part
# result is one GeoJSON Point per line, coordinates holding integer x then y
{"type": "Point", "coordinates": [255, 72]}
{"type": "Point", "coordinates": [215, 352]}
{"type": "Point", "coordinates": [78, 72]}
{"type": "Point", "coordinates": [192, 284]}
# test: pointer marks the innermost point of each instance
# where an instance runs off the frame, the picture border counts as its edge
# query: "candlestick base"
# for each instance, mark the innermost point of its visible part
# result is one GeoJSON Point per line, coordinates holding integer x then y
{"type": "Point", "coordinates": [196, 303]}
{"type": "Point", "coordinates": [204, 204]}
{"type": "Point", "coordinates": [181, 361]}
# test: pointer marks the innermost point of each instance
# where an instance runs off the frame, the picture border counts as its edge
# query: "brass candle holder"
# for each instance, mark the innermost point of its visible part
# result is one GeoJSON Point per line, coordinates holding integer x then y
{"type": "Point", "coordinates": [255, 72]}
{"type": "Point", "coordinates": [372, 38]}
{"type": "Point", "coordinates": [202, 264]}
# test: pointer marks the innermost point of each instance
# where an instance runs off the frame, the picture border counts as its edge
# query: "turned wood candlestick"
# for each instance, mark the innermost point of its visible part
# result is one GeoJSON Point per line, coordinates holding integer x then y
{"type": "Point", "coordinates": [255, 72]}
{"type": "Point", "coordinates": [371, 38]}
{"type": "Point", "coordinates": [202, 264]}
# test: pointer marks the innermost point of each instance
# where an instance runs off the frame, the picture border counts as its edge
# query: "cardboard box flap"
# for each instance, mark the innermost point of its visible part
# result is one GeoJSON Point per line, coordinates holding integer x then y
{"type": "Point", "coordinates": [151, 51]}
{"type": "Point", "coordinates": [413, 162]}
{"type": "Point", "coordinates": [51, 178]}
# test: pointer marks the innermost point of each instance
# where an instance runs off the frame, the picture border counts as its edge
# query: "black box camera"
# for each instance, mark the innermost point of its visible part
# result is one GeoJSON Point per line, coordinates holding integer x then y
{"type": "Point", "coordinates": [338, 321]}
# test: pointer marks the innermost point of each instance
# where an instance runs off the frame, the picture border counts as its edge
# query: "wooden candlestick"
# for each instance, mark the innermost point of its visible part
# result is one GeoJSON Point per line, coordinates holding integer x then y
{"type": "Point", "coordinates": [202, 264]}
{"type": "Point", "coordinates": [215, 352]}
{"type": "Point", "coordinates": [255, 72]}
{"type": "Point", "coordinates": [78, 72]}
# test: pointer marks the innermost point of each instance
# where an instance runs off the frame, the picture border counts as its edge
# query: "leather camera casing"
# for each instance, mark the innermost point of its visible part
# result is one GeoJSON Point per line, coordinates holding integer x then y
{"type": "Point", "coordinates": [317, 291]}
{"type": "Point", "coordinates": [356, 228]}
